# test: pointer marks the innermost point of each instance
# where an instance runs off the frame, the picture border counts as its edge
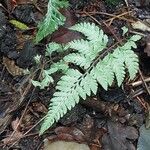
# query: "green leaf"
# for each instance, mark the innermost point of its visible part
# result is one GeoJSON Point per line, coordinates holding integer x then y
{"type": "Point", "coordinates": [78, 59]}
{"type": "Point", "coordinates": [53, 19]}
{"type": "Point", "coordinates": [19, 25]}
{"type": "Point", "coordinates": [125, 30]}
{"type": "Point", "coordinates": [132, 63]}
{"type": "Point", "coordinates": [52, 47]}
{"type": "Point", "coordinates": [45, 82]}
{"type": "Point", "coordinates": [135, 38]}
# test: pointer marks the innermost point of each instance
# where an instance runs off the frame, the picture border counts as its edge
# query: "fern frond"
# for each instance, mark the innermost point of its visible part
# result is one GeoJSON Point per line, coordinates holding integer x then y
{"type": "Point", "coordinates": [108, 71]}
{"type": "Point", "coordinates": [98, 74]}
{"type": "Point", "coordinates": [118, 65]}
{"type": "Point", "coordinates": [86, 50]}
{"type": "Point", "coordinates": [70, 88]}
{"type": "Point", "coordinates": [75, 85]}
{"type": "Point", "coordinates": [53, 19]}
{"type": "Point", "coordinates": [47, 79]}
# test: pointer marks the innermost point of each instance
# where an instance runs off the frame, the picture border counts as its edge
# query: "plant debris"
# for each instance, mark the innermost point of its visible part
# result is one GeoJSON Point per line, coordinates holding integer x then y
{"type": "Point", "coordinates": [116, 119]}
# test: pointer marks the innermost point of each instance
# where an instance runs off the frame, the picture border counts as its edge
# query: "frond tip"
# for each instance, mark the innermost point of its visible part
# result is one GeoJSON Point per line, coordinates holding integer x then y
{"type": "Point", "coordinates": [53, 19]}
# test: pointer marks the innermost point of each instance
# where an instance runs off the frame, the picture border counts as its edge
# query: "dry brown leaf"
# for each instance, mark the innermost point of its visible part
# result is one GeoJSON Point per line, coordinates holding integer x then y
{"type": "Point", "coordinates": [147, 48]}
{"type": "Point", "coordinates": [12, 68]}
{"type": "Point", "coordinates": [22, 38]}
{"type": "Point", "coordinates": [13, 137]}
{"type": "Point", "coordinates": [140, 25]}
{"type": "Point", "coordinates": [119, 137]}
{"type": "Point", "coordinates": [14, 124]}
{"type": "Point", "coordinates": [63, 34]}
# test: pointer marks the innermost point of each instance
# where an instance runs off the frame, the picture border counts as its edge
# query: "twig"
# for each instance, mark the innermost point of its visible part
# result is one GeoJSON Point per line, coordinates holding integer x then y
{"type": "Point", "coordinates": [142, 78]}
{"type": "Point", "coordinates": [120, 16]}
{"type": "Point", "coordinates": [138, 33]}
{"type": "Point", "coordinates": [137, 92]}
{"type": "Point", "coordinates": [26, 109]}
{"type": "Point", "coordinates": [25, 134]}
{"type": "Point", "coordinates": [126, 1]}
{"type": "Point", "coordinates": [137, 83]}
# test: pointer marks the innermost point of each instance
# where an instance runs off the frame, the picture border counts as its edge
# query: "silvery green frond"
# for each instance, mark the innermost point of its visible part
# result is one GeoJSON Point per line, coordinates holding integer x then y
{"type": "Point", "coordinates": [74, 85]}
{"type": "Point", "coordinates": [53, 19]}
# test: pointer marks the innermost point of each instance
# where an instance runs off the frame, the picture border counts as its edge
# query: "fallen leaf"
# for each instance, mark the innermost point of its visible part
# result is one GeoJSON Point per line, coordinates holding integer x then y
{"type": "Point", "coordinates": [119, 137]}
{"type": "Point", "coordinates": [140, 25]}
{"type": "Point", "coordinates": [39, 107]}
{"type": "Point", "coordinates": [63, 34]}
{"type": "Point", "coordinates": [12, 68]}
{"type": "Point", "coordinates": [14, 124]}
{"type": "Point", "coordinates": [75, 133]}
{"type": "Point", "coordinates": [19, 24]}
{"type": "Point", "coordinates": [12, 137]}
{"type": "Point", "coordinates": [144, 139]}
{"type": "Point", "coordinates": [147, 48]}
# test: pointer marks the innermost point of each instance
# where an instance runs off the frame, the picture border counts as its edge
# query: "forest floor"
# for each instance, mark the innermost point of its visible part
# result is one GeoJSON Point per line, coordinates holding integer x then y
{"type": "Point", "coordinates": [116, 119]}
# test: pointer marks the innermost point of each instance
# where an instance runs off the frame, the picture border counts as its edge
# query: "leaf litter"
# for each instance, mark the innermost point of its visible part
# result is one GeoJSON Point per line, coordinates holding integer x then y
{"type": "Point", "coordinates": [101, 127]}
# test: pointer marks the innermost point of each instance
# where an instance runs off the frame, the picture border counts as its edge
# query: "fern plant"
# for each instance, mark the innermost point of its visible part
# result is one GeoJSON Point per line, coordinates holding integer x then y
{"type": "Point", "coordinates": [97, 68]}
{"type": "Point", "coordinates": [53, 19]}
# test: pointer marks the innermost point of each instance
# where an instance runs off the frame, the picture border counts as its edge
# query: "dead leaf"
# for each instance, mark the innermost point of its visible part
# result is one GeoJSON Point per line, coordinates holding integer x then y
{"type": "Point", "coordinates": [4, 122]}
{"type": "Point", "coordinates": [75, 133]}
{"type": "Point", "coordinates": [63, 34]}
{"type": "Point", "coordinates": [119, 137]}
{"type": "Point", "coordinates": [39, 107]}
{"type": "Point", "coordinates": [140, 25]}
{"type": "Point", "coordinates": [14, 124]}
{"type": "Point", "coordinates": [144, 139]}
{"type": "Point", "coordinates": [12, 68]}
{"type": "Point", "coordinates": [22, 38]}
{"type": "Point", "coordinates": [147, 48]}
{"type": "Point", "coordinates": [13, 137]}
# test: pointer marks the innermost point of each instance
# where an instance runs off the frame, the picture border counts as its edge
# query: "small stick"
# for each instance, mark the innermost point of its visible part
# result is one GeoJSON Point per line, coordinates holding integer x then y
{"type": "Point", "coordinates": [120, 16]}
{"type": "Point", "coordinates": [126, 1]}
{"type": "Point", "coordinates": [137, 83]}
{"type": "Point", "coordinates": [142, 78]}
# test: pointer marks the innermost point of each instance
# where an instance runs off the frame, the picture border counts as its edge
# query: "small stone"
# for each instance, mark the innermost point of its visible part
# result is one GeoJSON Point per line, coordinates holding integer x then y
{"type": "Point", "coordinates": [62, 145]}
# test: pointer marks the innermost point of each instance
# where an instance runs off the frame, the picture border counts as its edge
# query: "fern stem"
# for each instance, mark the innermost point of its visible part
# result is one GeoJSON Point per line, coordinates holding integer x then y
{"type": "Point", "coordinates": [102, 55]}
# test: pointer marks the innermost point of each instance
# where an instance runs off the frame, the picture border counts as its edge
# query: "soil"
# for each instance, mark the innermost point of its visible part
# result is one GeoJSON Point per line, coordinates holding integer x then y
{"type": "Point", "coordinates": [108, 121]}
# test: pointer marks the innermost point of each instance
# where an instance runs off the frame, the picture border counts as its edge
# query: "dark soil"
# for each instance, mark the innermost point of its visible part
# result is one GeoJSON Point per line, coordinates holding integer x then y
{"type": "Point", "coordinates": [108, 121]}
